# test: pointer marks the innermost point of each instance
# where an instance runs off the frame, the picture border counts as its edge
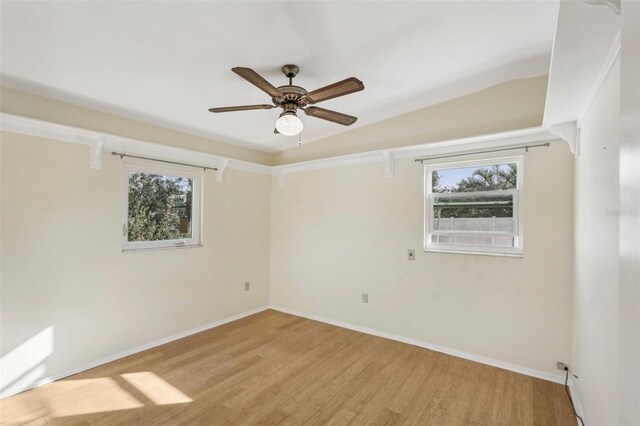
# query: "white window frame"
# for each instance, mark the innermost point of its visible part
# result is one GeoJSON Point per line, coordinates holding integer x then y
{"type": "Point", "coordinates": [196, 207]}
{"type": "Point", "coordinates": [518, 209]}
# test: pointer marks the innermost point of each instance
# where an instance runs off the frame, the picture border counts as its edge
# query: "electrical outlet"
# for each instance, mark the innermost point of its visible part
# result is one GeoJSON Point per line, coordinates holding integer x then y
{"type": "Point", "coordinates": [562, 366]}
{"type": "Point", "coordinates": [411, 254]}
{"type": "Point", "coordinates": [247, 285]}
{"type": "Point", "coordinates": [365, 297]}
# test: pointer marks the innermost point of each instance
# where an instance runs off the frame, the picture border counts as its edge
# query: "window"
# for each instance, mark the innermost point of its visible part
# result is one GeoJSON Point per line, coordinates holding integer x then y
{"type": "Point", "coordinates": [474, 206]}
{"type": "Point", "coordinates": [162, 208]}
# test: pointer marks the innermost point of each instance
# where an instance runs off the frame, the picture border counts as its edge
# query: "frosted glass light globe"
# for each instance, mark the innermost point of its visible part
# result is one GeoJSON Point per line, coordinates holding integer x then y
{"type": "Point", "coordinates": [289, 125]}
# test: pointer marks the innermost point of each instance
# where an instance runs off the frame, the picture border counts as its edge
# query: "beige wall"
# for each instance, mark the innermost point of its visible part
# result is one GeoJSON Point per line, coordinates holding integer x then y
{"type": "Point", "coordinates": [338, 232]}
{"type": "Point", "coordinates": [596, 288]}
{"type": "Point", "coordinates": [45, 109]}
{"type": "Point", "coordinates": [63, 269]}
{"type": "Point", "coordinates": [512, 105]}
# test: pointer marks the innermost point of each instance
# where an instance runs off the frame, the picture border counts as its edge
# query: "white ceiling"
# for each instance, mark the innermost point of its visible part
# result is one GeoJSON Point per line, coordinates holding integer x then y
{"type": "Point", "coordinates": [168, 62]}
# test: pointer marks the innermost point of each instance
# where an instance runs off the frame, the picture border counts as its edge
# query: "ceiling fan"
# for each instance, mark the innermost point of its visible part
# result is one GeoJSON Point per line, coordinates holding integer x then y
{"type": "Point", "coordinates": [291, 98]}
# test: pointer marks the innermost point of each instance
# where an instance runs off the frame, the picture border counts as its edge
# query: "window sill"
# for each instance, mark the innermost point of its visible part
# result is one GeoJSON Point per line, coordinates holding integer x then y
{"type": "Point", "coordinates": [481, 253]}
{"type": "Point", "coordinates": [177, 247]}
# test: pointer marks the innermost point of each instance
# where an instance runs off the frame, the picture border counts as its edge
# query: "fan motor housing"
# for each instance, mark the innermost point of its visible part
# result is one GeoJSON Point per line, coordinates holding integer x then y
{"type": "Point", "coordinates": [292, 94]}
{"type": "Point", "coordinates": [292, 90]}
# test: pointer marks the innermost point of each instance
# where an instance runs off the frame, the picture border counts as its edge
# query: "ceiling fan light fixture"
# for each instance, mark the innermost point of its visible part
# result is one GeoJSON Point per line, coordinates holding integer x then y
{"type": "Point", "coordinates": [289, 124]}
{"type": "Point", "coordinates": [293, 98]}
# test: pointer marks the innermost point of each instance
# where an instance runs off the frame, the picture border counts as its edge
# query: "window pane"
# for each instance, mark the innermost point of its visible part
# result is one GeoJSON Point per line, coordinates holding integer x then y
{"type": "Point", "coordinates": [474, 206]}
{"type": "Point", "coordinates": [472, 179]}
{"type": "Point", "coordinates": [160, 207]}
{"type": "Point", "coordinates": [474, 214]}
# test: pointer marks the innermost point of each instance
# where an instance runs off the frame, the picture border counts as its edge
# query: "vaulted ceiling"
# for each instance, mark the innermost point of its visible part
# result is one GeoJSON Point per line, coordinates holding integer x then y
{"type": "Point", "coordinates": [166, 63]}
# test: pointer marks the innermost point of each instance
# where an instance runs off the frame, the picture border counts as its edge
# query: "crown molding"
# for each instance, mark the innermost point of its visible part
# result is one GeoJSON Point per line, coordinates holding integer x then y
{"type": "Point", "coordinates": [99, 143]}
{"type": "Point", "coordinates": [570, 133]}
{"type": "Point", "coordinates": [514, 138]}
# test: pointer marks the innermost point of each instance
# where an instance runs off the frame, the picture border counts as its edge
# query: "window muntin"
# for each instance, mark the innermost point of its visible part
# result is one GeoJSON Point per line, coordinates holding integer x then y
{"type": "Point", "coordinates": [474, 206]}
{"type": "Point", "coordinates": [162, 207]}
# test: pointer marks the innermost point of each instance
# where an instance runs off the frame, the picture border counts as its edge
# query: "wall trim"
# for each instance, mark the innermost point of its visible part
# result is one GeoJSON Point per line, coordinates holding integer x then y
{"type": "Point", "coordinates": [512, 138]}
{"type": "Point", "coordinates": [415, 342]}
{"type": "Point", "coordinates": [99, 143]}
{"type": "Point", "coordinates": [573, 389]}
{"type": "Point", "coordinates": [128, 352]}
{"type": "Point", "coordinates": [420, 343]}
{"type": "Point", "coordinates": [454, 352]}
{"type": "Point", "coordinates": [570, 133]}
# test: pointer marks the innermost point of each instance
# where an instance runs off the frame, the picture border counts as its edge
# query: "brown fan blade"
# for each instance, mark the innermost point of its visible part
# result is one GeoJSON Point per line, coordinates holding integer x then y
{"type": "Point", "coordinates": [326, 114]}
{"type": "Point", "coordinates": [341, 88]}
{"type": "Point", "coordinates": [256, 79]}
{"type": "Point", "coordinates": [241, 108]}
{"type": "Point", "coordinates": [276, 132]}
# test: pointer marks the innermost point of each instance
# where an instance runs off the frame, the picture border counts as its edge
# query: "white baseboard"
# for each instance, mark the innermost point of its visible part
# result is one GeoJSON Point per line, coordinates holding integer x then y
{"type": "Point", "coordinates": [460, 354]}
{"type": "Point", "coordinates": [477, 358]}
{"type": "Point", "coordinates": [576, 401]}
{"type": "Point", "coordinates": [113, 357]}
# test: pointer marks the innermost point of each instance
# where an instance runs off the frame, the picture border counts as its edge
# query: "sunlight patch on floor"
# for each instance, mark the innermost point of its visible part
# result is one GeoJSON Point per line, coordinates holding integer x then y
{"type": "Point", "coordinates": [22, 408]}
{"type": "Point", "coordinates": [75, 397]}
{"type": "Point", "coordinates": [155, 388]}
{"type": "Point", "coordinates": [89, 396]}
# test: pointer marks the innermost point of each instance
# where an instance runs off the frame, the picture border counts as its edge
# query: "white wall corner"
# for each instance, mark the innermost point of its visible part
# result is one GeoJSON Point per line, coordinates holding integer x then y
{"type": "Point", "coordinates": [570, 133]}
{"type": "Point", "coordinates": [95, 154]}
{"type": "Point", "coordinates": [280, 175]}
{"type": "Point", "coordinates": [389, 163]}
{"type": "Point", "coordinates": [222, 166]}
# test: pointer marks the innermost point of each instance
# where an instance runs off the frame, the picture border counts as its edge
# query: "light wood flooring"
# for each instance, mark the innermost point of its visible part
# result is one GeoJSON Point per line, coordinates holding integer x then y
{"type": "Point", "coordinates": [273, 368]}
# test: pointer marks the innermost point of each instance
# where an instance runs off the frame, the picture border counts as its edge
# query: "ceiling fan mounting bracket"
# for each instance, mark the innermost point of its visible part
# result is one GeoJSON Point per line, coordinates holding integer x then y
{"type": "Point", "coordinates": [290, 70]}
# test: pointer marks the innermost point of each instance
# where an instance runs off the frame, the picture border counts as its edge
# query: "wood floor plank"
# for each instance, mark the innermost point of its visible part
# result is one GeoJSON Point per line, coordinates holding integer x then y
{"type": "Point", "coordinates": [278, 369]}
